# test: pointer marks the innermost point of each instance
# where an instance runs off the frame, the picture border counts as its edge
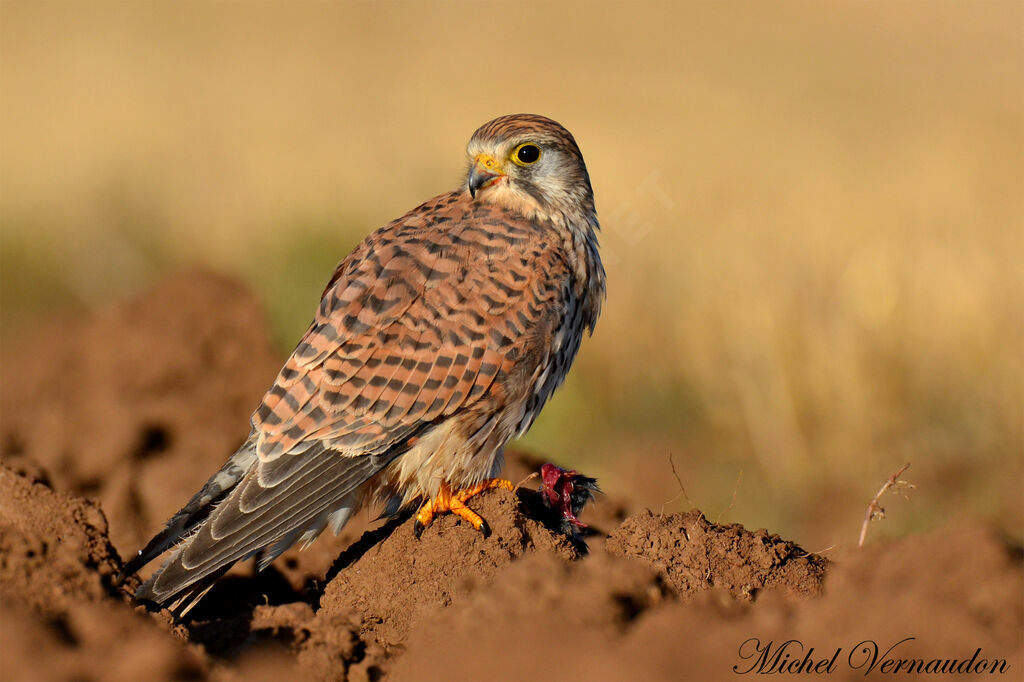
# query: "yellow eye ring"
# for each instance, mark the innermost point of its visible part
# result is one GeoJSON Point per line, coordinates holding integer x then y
{"type": "Point", "coordinates": [526, 154]}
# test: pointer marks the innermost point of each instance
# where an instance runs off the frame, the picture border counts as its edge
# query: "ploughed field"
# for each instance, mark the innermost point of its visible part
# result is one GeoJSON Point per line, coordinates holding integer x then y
{"type": "Point", "coordinates": [110, 424]}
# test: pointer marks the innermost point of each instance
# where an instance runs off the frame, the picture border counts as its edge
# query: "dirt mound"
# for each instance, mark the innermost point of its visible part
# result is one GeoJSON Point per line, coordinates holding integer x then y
{"type": "Point", "coordinates": [383, 586]}
{"type": "Point", "coordinates": [517, 629]}
{"type": "Point", "coordinates": [54, 550]}
{"type": "Point", "coordinates": [920, 598]}
{"type": "Point", "coordinates": [137, 406]}
{"type": "Point", "coordinates": [598, 620]}
{"type": "Point", "coordinates": [694, 555]}
{"type": "Point", "coordinates": [391, 577]}
{"type": "Point", "coordinates": [286, 642]}
{"type": "Point", "coordinates": [101, 642]}
{"type": "Point", "coordinates": [58, 599]}
{"type": "Point", "coordinates": [959, 587]}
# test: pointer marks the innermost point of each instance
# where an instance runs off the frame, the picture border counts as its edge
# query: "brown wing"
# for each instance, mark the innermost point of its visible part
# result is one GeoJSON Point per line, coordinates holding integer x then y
{"type": "Point", "coordinates": [416, 324]}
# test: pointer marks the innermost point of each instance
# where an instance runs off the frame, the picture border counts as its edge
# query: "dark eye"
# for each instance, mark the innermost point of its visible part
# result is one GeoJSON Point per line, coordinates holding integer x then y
{"type": "Point", "coordinates": [526, 154]}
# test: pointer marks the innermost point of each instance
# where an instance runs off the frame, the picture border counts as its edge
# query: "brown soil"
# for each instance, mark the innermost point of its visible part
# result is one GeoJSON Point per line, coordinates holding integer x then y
{"type": "Point", "coordinates": [398, 578]}
{"type": "Point", "coordinates": [133, 409]}
{"type": "Point", "coordinates": [61, 615]}
{"type": "Point", "coordinates": [601, 619]}
{"type": "Point", "coordinates": [54, 549]}
{"type": "Point", "coordinates": [693, 555]}
{"type": "Point", "coordinates": [140, 403]}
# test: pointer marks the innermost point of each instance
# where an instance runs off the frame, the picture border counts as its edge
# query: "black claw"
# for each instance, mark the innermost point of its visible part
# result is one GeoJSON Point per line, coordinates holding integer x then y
{"type": "Point", "coordinates": [485, 529]}
{"type": "Point", "coordinates": [417, 529]}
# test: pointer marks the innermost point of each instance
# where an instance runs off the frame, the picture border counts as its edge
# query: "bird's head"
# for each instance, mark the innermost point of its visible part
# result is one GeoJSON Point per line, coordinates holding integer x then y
{"type": "Point", "coordinates": [530, 164]}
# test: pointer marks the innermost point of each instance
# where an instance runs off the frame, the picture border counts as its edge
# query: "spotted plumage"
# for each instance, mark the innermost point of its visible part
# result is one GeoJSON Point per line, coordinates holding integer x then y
{"type": "Point", "coordinates": [437, 340]}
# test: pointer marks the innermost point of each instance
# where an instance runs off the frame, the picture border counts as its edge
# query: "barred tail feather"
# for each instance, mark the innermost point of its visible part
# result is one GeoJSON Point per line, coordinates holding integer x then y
{"type": "Point", "coordinates": [197, 510]}
{"type": "Point", "coordinates": [272, 505]}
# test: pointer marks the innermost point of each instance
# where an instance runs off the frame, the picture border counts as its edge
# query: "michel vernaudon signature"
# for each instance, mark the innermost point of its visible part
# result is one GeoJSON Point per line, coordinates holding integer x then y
{"type": "Point", "coordinates": [793, 657]}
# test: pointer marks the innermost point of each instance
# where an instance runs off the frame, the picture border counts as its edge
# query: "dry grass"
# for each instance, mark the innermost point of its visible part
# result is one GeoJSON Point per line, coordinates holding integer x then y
{"type": "Point", "coordinates": [875, 511]}
{"type": "Point", "coordinates": [813, 212]}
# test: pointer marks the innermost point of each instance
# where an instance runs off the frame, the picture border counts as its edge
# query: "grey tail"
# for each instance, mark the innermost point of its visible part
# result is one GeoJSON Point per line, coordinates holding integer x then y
{"type": "Point", "coordinates": [197, 509]}
{"type": "Point", "coordinates": [262, 513]}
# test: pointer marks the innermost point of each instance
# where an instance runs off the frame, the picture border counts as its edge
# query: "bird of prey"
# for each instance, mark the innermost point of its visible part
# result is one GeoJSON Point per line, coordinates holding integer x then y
{"type": "Point", "coordinates": [437, 340]}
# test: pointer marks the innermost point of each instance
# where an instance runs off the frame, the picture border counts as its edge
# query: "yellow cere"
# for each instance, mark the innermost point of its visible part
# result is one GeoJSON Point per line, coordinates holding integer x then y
{"type": "Point", "coordinates": [488, 162]}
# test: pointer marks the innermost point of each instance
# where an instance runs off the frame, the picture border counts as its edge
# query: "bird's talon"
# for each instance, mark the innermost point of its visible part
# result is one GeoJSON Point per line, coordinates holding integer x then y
{"type": "Point", "coordinates": [447, 501]}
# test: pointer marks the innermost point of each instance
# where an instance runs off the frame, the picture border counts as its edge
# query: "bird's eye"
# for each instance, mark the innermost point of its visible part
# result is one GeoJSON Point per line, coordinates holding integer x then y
{"type": "Point", "coordinates": [526, 154]}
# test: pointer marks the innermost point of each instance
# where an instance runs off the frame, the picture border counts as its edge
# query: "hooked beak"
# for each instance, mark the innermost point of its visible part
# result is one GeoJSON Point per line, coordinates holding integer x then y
{"type": "Point", "coordinates": [485, 172]}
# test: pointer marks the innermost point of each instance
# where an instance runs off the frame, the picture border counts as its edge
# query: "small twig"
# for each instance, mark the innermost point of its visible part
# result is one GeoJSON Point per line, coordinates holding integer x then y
{"type": "Point", "coordinates": [734, 489]}
{"type": "Point", "coordinates": [819, 552]}
{"type": "Point", "coordinates": [682, 490]}
{"type": "Point", "coordinates": [875, 510]}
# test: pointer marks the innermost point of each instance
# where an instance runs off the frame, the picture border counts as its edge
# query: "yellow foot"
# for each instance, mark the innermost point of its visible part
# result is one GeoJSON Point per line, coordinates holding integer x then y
{"type": "Point", "coordinates": [447, 501]}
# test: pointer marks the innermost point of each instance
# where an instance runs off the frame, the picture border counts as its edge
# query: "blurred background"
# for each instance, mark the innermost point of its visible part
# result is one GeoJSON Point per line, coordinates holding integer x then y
{"type": "Point", "coordinates": [813, 214]}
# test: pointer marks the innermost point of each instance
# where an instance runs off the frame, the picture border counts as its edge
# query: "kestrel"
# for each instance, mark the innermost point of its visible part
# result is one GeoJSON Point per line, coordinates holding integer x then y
{"type": "Point", "coordinates": [437, 340]}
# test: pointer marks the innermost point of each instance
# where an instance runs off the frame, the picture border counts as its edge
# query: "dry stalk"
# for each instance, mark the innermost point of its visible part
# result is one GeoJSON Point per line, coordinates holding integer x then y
{"type": "Point", "coordinates": [875, 510]}
{"type": "Point", "coordinates": [819, 552]}
{"type": "Point", "coordinates": [734, 489]}
{"type": "Point", "coordinates": [682, 490]}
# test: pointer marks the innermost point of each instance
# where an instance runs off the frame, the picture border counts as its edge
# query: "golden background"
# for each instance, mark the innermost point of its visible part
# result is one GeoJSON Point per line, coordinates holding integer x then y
{"type": "Point", "coordinates": [813, 213]}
